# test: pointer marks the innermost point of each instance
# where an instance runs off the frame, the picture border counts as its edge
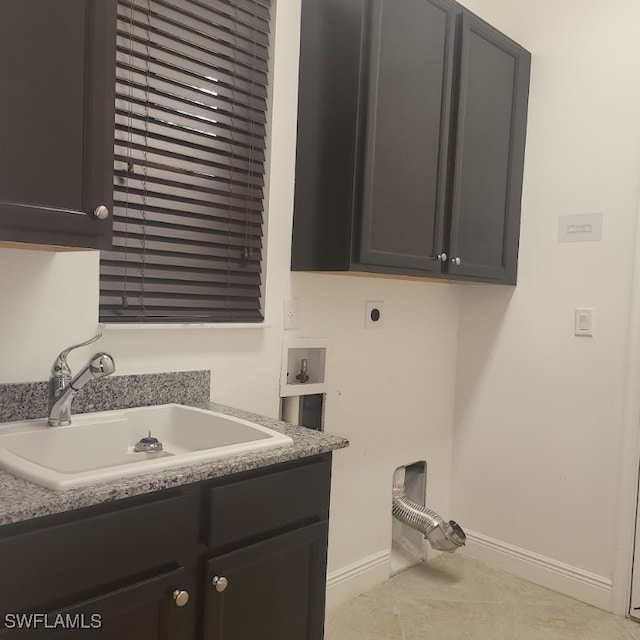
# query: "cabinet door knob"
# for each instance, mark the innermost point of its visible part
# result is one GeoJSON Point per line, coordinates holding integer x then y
{"type": "Point", "coordinates": [442, 257]}
{"type": "Point", "coordinates": [181, 597]}
{"type": "Point", "coordinates": [101, 212]}
{"type": "Point", "coordinates": [456, 261]}
{"type": "Point", "coordinates": [220, 583]}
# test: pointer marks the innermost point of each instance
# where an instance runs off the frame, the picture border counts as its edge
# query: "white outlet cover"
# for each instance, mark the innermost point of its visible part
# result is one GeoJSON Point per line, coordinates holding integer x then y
{"type": "Point", "coordinates": [290, 318]}
{"type": "Point", "coordinates": [369, 309]}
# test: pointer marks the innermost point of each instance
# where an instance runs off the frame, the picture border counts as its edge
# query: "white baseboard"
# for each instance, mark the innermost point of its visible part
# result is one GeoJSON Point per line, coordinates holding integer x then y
{"type": "Point", "coordinates": [357, 578]}
{"type": "Point", "coordinates": [571, 581]}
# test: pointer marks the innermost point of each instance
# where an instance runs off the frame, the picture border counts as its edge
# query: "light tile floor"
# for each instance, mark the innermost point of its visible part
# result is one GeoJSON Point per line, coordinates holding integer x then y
{"type": "Point", "coordinates": [455, 598]}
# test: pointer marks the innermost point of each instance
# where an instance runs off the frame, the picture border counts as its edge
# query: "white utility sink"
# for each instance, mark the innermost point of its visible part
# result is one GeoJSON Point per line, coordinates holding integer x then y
{"type": "Point", "coordinates": [100, 446]}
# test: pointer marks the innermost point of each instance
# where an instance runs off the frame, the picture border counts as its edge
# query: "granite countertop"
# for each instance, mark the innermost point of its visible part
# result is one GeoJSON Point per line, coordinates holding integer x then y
{"type": "Point", "coordinates": [22, 500]}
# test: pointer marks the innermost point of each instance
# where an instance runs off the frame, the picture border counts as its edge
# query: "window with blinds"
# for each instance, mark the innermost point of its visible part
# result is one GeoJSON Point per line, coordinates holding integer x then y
{"type": "Point", "coordinates": [191, 99]}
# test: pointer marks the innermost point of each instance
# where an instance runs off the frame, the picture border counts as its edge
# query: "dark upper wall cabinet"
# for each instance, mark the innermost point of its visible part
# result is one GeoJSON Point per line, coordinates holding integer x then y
{"type": "Point", "coordinates": [330, 53]}
{"type": "Point", "coordinates": [411, 126]}
{"type": "Point", "coordinates": [57, 71]}
{"type": "Point", "coordinates": [408, 115]}
{"type": "Point", "coordinates": [489, 154]}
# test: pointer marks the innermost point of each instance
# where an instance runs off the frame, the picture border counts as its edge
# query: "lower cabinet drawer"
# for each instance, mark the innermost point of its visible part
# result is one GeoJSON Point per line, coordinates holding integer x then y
{"type": "Point", "coordinates": [256, 506]}
{"type": "Point", "coordinates": [41, 565]}
{"type": "Point", "coordinates": [159, 607]}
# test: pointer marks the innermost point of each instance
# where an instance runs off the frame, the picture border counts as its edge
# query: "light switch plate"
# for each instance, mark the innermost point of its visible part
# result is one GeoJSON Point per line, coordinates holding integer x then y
{"type": "Point", "coordinates": [584, 321]}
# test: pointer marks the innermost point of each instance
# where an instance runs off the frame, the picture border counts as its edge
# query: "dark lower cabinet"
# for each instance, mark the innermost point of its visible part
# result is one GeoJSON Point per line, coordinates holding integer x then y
{"type": "Point", "coordinates": [273, 590]}
{"type": "Point", "coordinates": [143, 568]}
{"type": "Point", "coordinates": [422, 176]}
{"type": "Point", "coordinates": [57, 65]}
{"type": "Point", "coordinates": [145, 610]}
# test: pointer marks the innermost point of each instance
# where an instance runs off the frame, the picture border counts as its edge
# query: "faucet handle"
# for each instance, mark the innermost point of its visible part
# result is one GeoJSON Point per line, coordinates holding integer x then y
{"type": "Point", "coordinates": [60, 368]}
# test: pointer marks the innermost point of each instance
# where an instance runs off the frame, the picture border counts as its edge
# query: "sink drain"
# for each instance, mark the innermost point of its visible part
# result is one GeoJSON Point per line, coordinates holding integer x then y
{"type": "Point", "coordinates": [148, 444]}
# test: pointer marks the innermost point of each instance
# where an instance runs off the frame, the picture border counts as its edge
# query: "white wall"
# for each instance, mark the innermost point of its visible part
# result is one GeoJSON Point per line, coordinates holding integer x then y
{"type": "Point", "coordinates": [391, 392]}
{"type": "Point", "coordinates": [539, 412]}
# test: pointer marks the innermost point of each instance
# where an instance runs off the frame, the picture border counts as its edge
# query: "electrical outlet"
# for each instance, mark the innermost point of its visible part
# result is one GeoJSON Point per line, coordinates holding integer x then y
{"type": "Point", "coordinates": [290, 313]}
{"type": "Point", "coordinates": [373, 314]}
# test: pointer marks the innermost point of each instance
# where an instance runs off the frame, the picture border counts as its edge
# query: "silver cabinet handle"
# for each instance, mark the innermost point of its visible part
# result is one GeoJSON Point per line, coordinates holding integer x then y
{"type": "Point", "coordinates": [220, 583]}
{"type": "Point", "coordinates": [101, 212]}
{"type": "Point", "coordinates": [456, 261]}
{"type": "Point", "coordinates": [181, 597]}
{"type": "Point", "coordinates": [442, 257]}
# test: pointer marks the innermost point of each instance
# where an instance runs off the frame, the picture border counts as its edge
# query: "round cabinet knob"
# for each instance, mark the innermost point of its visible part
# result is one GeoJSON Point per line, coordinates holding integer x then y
{"type": "Point", "coordinates": [456, 261]}
{"type": "Point", "coordinates": [442, 257]}
{"type": "Point", "coordinates": [220, 583]}
{"type": "Point", "coordinates": [101, 212]}
{"type": "Point", "coordinates": [181, 597]}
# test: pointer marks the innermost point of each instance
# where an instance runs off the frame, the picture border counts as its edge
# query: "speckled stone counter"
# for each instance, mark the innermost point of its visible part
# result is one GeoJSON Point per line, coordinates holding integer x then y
{"type": "Point", "coordinates": [23, 500]}
{"type": "Point", "coordinates": [28, 400]}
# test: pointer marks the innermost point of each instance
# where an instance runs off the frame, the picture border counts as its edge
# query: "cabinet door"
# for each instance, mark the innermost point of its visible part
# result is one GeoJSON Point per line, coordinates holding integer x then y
{"type": "Point", "coordinates": [330, 43]}
{"type": "Point", "coordinates": [146, 610]}
{"type": "Point", "coordinates": [489, 157]}
{"type": "Point", "coordinates": [408, 120]}
{"type": "Point", "coordinates": [78, 554]}
{"type": "Point", "coordinates": [275, 589]}
{"type": "Point", "coordinates": [57, 78]}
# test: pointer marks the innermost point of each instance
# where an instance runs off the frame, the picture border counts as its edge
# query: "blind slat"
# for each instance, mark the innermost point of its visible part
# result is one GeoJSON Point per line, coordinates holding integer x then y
{"type": "Point", "coordinates": [184, 260]}
{"type": "Point", "coordinates": [189, 108]}
{"type": "Point", "coordinates": [166, 31]}
{"type": "Point", "coordinates": [206, 92]}
{"type": "Point", "coordinates": [150, 219]}
{"type": "Point", "coordinates": [240, 10]}
{"type": "Point", "coordinates": [178, 290]}
{"type": "Point", "coordinates": [251, 111]}
{"type": "Point", "coordinates": [156, 132]}
{"type": "Point", "coordinates": [244, 11]}
{"type": "Point", "coordinates": [183, 235]}
{"type": "Point", "coordinates": [229, 207]}
{"type": "Point", "coordinates": [169, 59]}
{"type": "Point", "coordinates": [116, 273]}
{"type": "Point", "coordinates": [251, 28]}
{"type": "Point", "coordinates": [184, 75]}
{"type": "Point", "coordinates": [188, 121]}
{"type": "Point", "coordinates": [188, 302]}
{"type": "Point", "coordinates": [229, 252]}
{"type": "Point", "coordinates": [169, 315]}
{"type": "Point", "coordinates": [212, 24]}
{"type": "Point", "coordinates": [206, 61]}
{"type": "Point", "coordinates": [171, 147]}
{"type": "Point", "coordinates": [193, 182]}
{"type": "Point", "coordinates": [134, 220]}
{"type": "Point", "coordinates": [137, 155]}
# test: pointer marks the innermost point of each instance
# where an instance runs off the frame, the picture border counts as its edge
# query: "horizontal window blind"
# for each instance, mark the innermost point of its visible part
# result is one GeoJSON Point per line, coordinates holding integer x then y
{"type": "Point", "coordinates": [191, 99]}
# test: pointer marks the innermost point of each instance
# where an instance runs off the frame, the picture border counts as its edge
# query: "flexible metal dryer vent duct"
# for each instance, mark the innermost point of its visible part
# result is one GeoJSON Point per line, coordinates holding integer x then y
{"type": "Point", "coordinates": [443, 536]}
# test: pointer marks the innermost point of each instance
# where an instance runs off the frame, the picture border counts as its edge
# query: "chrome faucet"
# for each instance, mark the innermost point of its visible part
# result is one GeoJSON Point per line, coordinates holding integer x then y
{"type": "Point", "coordinates": [63, 387]}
